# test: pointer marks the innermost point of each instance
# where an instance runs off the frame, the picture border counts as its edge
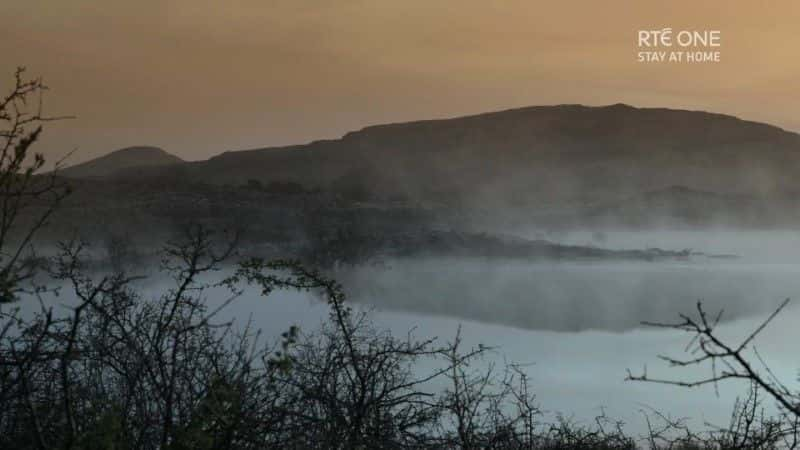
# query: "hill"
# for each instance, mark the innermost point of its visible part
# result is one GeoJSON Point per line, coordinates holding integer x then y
{"type": "Point", "coordinates": [529, 156]}
{"type": "Point", "coordinates": [564, 164]}
{"type": "Point", "coordinates": [122, 160]}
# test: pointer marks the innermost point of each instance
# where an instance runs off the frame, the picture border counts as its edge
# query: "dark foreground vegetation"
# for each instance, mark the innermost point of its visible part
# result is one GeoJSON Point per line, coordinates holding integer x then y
{"type": "Point", "coordinates": [120, 369]}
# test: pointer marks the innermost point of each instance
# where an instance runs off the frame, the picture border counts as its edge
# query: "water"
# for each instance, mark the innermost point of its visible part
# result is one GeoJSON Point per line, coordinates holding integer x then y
{"type": "Point", "coordinates": [580, 323]}
{"type": "Point", "coordinates": [577, 325]}
{"type": "Point", "coordinates": [579, 374]}
{"type": "Point", "coordinates": [569, 296]}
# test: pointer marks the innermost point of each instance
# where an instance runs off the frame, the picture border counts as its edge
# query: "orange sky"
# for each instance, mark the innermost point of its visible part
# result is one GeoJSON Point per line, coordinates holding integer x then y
{"type": "Point", "coordinates": [198, 77]}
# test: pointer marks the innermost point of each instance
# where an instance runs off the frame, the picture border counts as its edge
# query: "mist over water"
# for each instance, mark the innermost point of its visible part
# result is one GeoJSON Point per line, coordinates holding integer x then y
{"type": "Point", "coordinates": [575, 325]}
{"type": "Point", "coordinates": [580, 372]}
{"type": "Point", "coordinates": [768, 247]}
{"type": "Point", "coordinates": [579, 323]}
{"type": "Point", "coordinates": [594, 294]}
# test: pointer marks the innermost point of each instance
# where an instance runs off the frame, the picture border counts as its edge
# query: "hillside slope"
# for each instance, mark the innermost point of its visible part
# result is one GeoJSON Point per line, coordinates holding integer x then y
{"type": "Point", "coordinates": [531, 154]}
{"type": "Point", "coordinates": [124, 159]}
{"type": "Point", "coordinates": [544, 161]}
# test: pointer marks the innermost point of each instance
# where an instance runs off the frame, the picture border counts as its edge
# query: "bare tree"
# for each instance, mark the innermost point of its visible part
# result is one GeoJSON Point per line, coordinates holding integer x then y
{"type": "Point", "coordinates": [350, 385]}
{"type": "Point", "coordinates": [27, 199]}
{"type": "Point", "coordinates": [749, 427]}
{"type": "Point", "coordinates": [134, 371]}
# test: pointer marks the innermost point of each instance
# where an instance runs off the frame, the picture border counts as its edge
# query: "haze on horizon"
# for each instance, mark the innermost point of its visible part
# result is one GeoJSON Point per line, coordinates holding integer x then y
{"type": "Point", "coordinates": [198, 77]}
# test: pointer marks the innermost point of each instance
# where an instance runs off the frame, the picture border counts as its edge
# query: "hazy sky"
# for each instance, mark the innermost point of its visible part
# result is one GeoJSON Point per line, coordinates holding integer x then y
{"type": "Point", "coordinates": [200, 77]}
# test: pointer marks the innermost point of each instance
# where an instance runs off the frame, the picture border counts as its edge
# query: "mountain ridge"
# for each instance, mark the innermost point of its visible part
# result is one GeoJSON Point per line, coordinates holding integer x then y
{"type": "Point", "coordinates": [390, 125]}
{"type": "Point", "coordinates": [526, 155]}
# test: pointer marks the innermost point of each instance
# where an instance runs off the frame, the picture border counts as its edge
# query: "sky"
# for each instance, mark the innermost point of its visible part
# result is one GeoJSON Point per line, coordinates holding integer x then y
{"type": "Point", "coordinates": [199, 77]}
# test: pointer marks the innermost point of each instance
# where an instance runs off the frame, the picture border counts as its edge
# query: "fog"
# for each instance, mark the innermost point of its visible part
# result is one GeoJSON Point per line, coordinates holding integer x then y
{"type": "Point", "coordinates": [577, 374]}
{"type": "Point", "coordinates": [594, 295]}
{"type": "Point", "coordinates": [770, 248]}
{"type": "Point", "coordinates": [576, 326]}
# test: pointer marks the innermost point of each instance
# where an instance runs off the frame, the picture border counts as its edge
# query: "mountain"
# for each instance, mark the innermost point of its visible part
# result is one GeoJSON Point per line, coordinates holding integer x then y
{"type": "Point", "coordinates": [541, 157]}
{"type": "Point", "coordinates": [126, 159]}
{"type": "Point", "coordinates": [528, 155]}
